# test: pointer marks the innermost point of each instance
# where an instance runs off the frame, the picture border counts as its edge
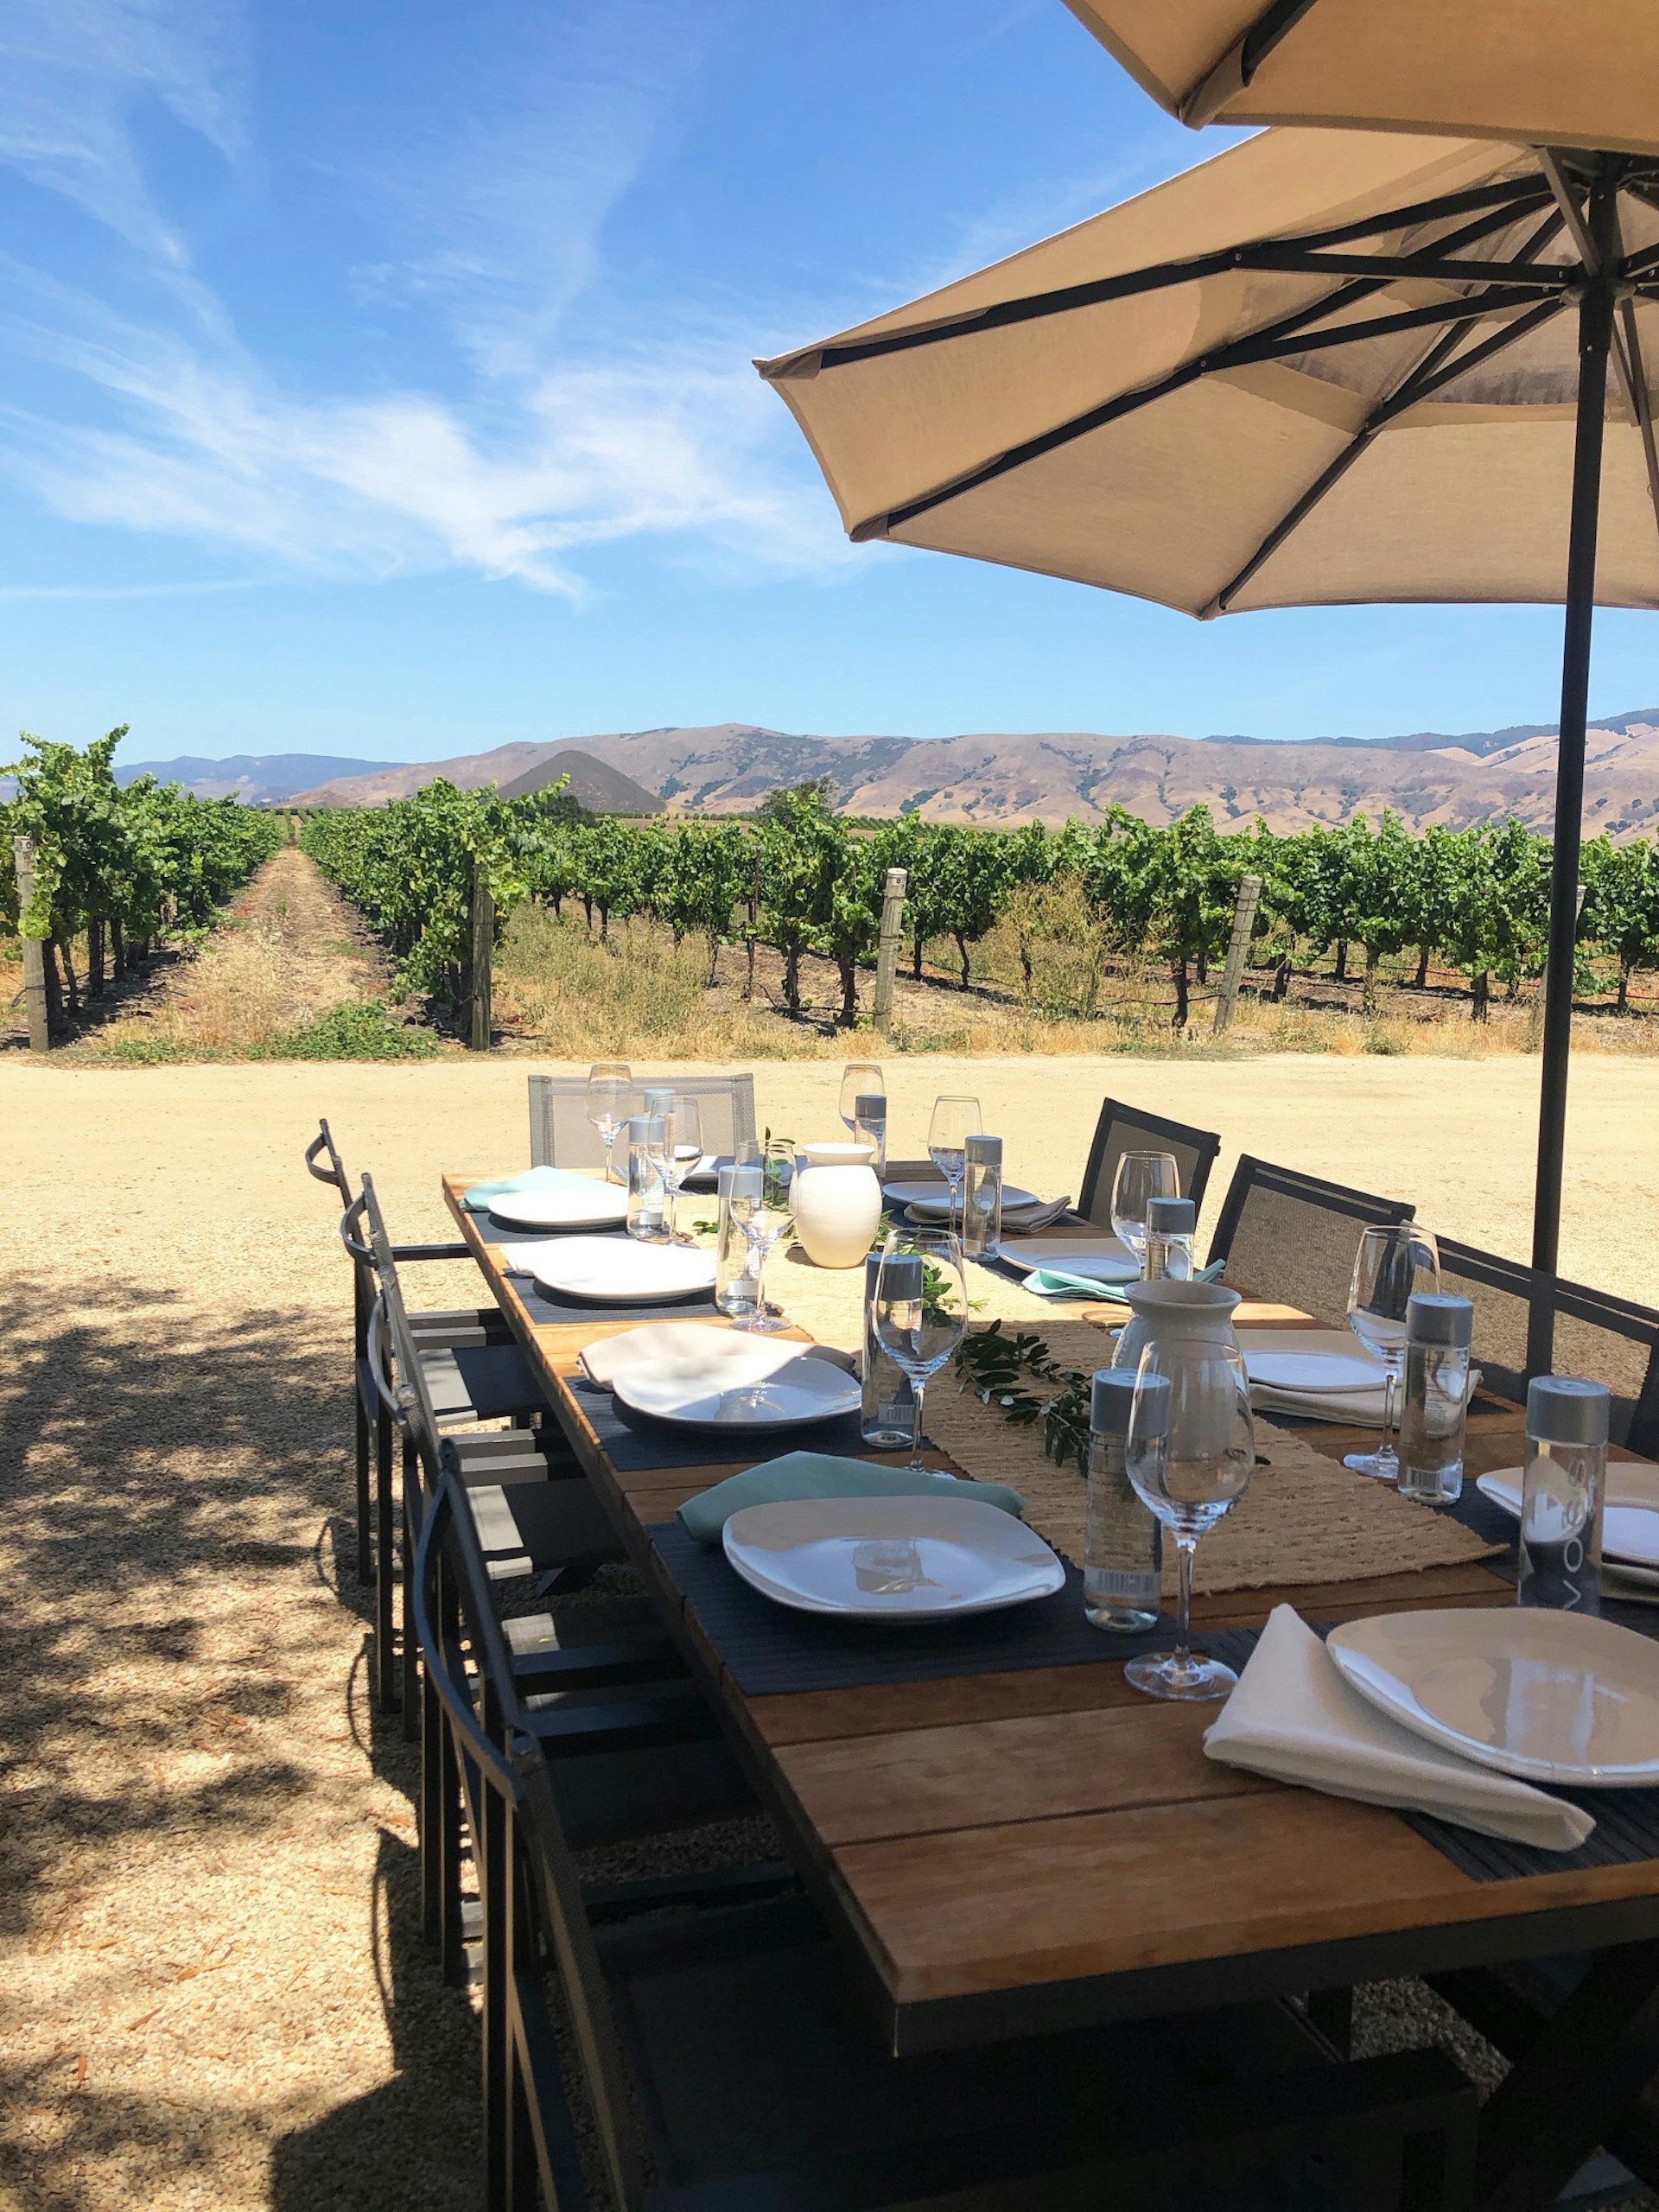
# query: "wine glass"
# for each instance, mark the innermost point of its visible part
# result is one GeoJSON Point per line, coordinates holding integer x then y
{"type": "Point", "coordinates": [677, 1153]}
{"type": "Point", "coordinates": [1142, 1177]}
{"type": "Point", "coordinates": [763, 1206]}
{"type": "Point", "coordinates": [859, 1077]}
{"type": "Point", "coordinates": [1191, 1452]}
{"type": "Point", "coordinates": [921, 1311]}
{"type": "Point", "coordinates": [955, 1118]}
{"type": "Point", "coordinates": [1391, 1264]}
{"type": "Point", "coordinates": [608, 1085]}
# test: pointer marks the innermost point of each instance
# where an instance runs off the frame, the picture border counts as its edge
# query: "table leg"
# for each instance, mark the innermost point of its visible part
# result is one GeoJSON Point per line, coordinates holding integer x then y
{"type": "Point", "coordinates": [1593, 2060]}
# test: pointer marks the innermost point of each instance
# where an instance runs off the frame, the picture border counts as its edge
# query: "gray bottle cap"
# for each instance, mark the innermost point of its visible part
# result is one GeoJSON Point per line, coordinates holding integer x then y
{"type": "Point", "coordinates": [1112, 1399]}
{"type": "Point", "coordinates": [658, 1098]}
{"type": "Point", "coordinates": [1567, 1409]}
{"type": "Point", "coordinates": [642, 1128]}
{"type": "Point", "coordinates": [738, 1178]}
{"type": "Point", "coordinates": [1432, 1319]}
{"type": "Point", "coordinates": [904, 1274]}
{"type": "Point", "coordinates": [982, 1152]}
{"type": "Point", "coordinates": [1171, 1217]}
{"type": "Point", "coordinates": [870, 1106]}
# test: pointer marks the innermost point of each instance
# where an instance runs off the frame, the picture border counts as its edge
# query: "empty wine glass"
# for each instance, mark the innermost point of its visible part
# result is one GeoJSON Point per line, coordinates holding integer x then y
{"type": "Point", "coordinates": [763, 1206]}
{"type": "Point", "coordinates": [609, 1084]}
{"type": "Point", "coordinates": [1142, 1177]}
{"type": "Point", "coordinates": [955, 1118]}
{"type": "Point", "coordinates": [676, 1153]}
{"type": "Point", "coordinates": [1391, 1264]}
{"type": "Point", "coordinates": [921, 1311]}
{"type": "Point", "coordinates": [859, 1078]}
{"type": "Point", "coordinates": [1191, 1452]}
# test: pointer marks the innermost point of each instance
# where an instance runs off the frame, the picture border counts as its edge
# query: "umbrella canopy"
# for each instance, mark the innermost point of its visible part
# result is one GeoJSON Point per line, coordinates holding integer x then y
{"type": "Point", "coordinates": [1328, 366]}
{"type": "Point", "coordinates": [1205, 397]}
{"type": "Point", "coordinates": [1560, 73]}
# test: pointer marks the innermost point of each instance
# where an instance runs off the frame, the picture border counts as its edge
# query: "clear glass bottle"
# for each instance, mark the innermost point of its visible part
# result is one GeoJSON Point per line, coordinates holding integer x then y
{"type": "Point", "coordinates": [887, 1412]}
{"type": "Point", "coordinates": [1563, 1494]}
{"type": "Point", "coordinates": [735, 1279]}
{"type": "Point", "coordinates": [870, 1126]}
{"type": "Point", "coordinates": [647, 1202]}
{"type": "Point", "coordinates": [1436, 1401]}
{"type": "Point", "coordinates": [1172, 1224]}
{"type": "Point", "coordinates": [1123, 1545]}
{"type": "Point", "coordinates": [981, 1197]}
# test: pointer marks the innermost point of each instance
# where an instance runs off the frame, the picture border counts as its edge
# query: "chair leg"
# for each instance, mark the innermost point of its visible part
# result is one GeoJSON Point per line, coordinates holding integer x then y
{"type": "Point", "coordinates": [365, 1547]}
{"type": "Point", "coordinates": [451, 1935]}
{"type": "Point", "coordinates": [495, 1872]}
{"type": "Point", "coordinates": [411, 1650]}
{"type": "Point", "coordinates": [385, 1572]}
{"type": "Point", "coordinates": [434, 1728]}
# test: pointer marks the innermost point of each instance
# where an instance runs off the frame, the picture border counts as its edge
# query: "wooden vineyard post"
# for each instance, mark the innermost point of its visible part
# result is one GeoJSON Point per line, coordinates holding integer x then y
{"type": "Point", "coordinates": [35, 1005]}
{"type": "Point", "coordinates": [887, 956]}
{"type": "Point", "coordinates": [1238, 947]}
{"type": "Point", "coordinates": [483, 951]}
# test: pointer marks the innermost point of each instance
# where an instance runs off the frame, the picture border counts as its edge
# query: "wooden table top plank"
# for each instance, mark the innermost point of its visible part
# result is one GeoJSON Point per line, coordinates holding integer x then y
{"type": "Point", "coordinates": [1115, 1846]}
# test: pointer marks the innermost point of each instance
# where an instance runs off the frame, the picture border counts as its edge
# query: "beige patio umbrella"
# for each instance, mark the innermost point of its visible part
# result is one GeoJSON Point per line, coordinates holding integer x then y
{"type": "Point", "coordinates": [1556, 72]}
{"type": "Point", "coordinates": [1327, 366]}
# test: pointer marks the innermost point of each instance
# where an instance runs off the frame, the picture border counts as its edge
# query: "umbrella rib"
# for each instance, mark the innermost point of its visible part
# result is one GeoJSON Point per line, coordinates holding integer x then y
{"type": "Point", "coordinates": [1234, 71]}
{"type": "Point", "coordinates": [1626, 345]}
{"type": "Point", "coordinates": [1422, 384]}
{"type": "Point", "coordinates": [1630, 357]}
{"type": "Point", "coordinates": [1514, 199]}
{"type": "Point", "coordinates": [1279, 343]}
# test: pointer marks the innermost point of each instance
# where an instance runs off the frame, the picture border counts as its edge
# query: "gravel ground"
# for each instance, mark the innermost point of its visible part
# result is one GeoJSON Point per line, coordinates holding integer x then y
{"type": "Point", "coordinates": [213, 1993]}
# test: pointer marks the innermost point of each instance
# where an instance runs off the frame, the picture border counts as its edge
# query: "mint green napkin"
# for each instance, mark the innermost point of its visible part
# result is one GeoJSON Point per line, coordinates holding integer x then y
{"type": "Point", "coordinates": [477, 1198]}
{"type": "Point", "coordinates": [826, 1474]}
{"type": "Point", "coordinates": [1055, 1283]}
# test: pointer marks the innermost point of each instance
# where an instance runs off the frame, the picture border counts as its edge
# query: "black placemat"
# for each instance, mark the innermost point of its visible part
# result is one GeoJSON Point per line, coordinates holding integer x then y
{"type": "Point", "coordinates": [541, 1305]}
{"type": "Point", "coordinates": [633, 1442]}
{"type": "Point", "coordinates": [771, 1650]}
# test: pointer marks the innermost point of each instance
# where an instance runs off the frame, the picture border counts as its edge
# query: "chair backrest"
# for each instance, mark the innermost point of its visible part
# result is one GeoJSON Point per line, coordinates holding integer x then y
{"type": "Point", "coordinates": [334, 1173]}
{"type": "Point", "coordinates": [1609, 1339]}
{"type": "Point", "coordinates": [560, 1136]}
{"type": "Point", "coordinates": [1123, 1129]}
{"type": "Point", "coordinates": [405, 1379]}
{"type": "Point", "coordinates": [1295, 1238]}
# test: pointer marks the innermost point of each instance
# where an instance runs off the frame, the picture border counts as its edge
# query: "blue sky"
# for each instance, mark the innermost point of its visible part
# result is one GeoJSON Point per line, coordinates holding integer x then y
{"type": "Point", "coordinates": [375, 380]}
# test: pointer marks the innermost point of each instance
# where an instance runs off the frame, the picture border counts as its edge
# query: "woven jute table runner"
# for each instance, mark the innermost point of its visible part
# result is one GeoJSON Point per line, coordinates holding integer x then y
{"type": "Point", "coordinates": [1304, 1518]}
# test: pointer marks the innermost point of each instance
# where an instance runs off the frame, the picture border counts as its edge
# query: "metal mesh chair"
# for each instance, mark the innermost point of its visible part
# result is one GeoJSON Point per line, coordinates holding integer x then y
{"type": "Point", "coordinates": [1292, 1236]}
{"type": "Point", "coordinates": [1123, 1129]}
{"type": "Point", "coordinates": [1610, 1339]}
{"type": "Point", "coordinates": [560, 1136]}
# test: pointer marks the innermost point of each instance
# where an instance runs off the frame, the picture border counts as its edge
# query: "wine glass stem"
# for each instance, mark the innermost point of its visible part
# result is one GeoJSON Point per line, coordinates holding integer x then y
{"type": "Point", "coordinates": [951, 1216]}
{"type": "Point", "coordinates": [1184, 1547]}
{"type": "Point", "coordinates": [918, 1386]}
{"type": "Point", "coordinates": [670, 1184]}
{"type": "Point", "coordinates": [760, 1250]}
{"type": "Point", "coordinates": [1385, 1451]}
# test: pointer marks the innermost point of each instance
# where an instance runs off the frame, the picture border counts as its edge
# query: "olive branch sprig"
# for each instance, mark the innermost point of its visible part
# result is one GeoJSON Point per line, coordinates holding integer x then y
{"type": "Point", "coordinates": [994, 1367]}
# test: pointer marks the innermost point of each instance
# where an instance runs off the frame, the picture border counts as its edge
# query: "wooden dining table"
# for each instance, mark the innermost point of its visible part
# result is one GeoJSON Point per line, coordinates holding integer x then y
{"type": "Point", "coordinates": [1008, 1853]}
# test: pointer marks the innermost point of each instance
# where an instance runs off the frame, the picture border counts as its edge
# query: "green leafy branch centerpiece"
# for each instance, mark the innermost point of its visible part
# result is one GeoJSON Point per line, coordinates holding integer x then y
{"type": "Point", "coordinates": [999, 1370]}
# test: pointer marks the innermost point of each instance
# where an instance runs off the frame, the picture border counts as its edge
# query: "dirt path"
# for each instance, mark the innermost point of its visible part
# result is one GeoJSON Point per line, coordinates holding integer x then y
{"type": "Point", "coordinates": [213, 1992]}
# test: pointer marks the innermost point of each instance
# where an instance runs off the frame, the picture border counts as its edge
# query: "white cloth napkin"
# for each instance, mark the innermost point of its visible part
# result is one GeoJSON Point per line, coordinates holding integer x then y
{"type": "Point", "coordinates": [1293, 1717]}
{"type": "Point", "coordinates": [1352, 1409]}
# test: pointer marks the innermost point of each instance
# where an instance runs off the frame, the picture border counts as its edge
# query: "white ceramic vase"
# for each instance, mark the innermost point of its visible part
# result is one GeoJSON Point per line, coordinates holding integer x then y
{"type": "Point", "coordinates": [1161, 1310]}
{"type": "Point", "coordinates": [837, 1203]}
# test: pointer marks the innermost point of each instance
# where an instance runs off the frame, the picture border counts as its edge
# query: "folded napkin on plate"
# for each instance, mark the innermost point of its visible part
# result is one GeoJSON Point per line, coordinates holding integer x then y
{"type": "Point", "coordinates": [477, 1198]}
{"type": "Point", "coordinates": [1059, 1282]}
{"type": "Point", "coordinates": [1029, 1219]}
{"type": "Point", "coordinates": [824, 1474]}
{"type": "Point", "coordinates": [1293, 1717]}
{"type": "Point", "coordinates": [1353, 1408]}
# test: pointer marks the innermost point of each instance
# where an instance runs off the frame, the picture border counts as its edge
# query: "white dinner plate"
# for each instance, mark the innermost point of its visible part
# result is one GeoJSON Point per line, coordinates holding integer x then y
{"type": "Point", "coordinates": [729, 1390]}
{"type": "Point", "coordinates": [1312, 1371]}
{"type": "Point", "coordinates": [1551, 1697]}
{"type": "Point", "coordinates": [1629, 1532]}
{"type": "Point", "coordinates": [936, 1193]}
{"type": "Point", "coordinates": [615, 1270]}
{"type": "Point", "coordinates": [890, 1559]}
{"type": "Point", "coordinates": [655, 1343]}
{"type": "Point", "coordinates": [1104, 1259]}
{"type": "Point", "coordinates": [933, 1204]}
{"type": "Point", "coordinates": [576, 1205]}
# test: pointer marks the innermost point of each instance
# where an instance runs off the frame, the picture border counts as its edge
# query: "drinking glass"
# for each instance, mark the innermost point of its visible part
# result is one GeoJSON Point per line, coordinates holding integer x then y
{"type": "Point", "coordinates": [955, 1120]}
{"type": "Point", "coordinates": [1190, 1453]}
{"type": "Point", "coordinates": [920, 1312]}
{"type": "Point", "coordinates": [1142, 1177]}
{"type": "Point", "coordinates": [608, 1085]}
{"type": "Point", "coordinates": [763, 1206]}
{"type": "Point", "coordinates": [1391, 1263]}
{"type": "Point", "coordinates": [858, 1077]}
{"type": "Point", "coordinates": [677, 1153]}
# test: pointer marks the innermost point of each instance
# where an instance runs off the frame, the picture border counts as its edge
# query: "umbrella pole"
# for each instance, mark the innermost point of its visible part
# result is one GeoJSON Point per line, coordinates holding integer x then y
{"type": "Point", "coordinates": [1595, 339]}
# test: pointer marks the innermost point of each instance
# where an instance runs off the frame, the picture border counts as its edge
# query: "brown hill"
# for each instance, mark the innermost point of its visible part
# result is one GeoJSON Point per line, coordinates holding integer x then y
{"type": "Point", "coordinates": [1001, 780]}
{"type": "Point", "coordinates": [513, 770]}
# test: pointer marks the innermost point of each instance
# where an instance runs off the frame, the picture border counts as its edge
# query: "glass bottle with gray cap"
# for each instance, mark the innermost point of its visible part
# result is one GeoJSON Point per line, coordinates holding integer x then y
{"type": "Point", "coordinates": [1563, 1492]}
{"type": "Point", "coordinates": [1123, 1544]}
{"type": "Point", "coordinates": [1438, 1330]}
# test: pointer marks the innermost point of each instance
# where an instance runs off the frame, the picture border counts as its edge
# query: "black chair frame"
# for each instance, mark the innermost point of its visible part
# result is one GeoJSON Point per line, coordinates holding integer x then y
{"type": "Point", "coordinates": [1202, 1144]}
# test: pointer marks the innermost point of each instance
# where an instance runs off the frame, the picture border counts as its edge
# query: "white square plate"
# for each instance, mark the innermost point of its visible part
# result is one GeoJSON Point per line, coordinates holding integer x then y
{"type": "Point", "coordinates": [890, 1559]}
{"type": "Point", "coordinates": [616, 1270]}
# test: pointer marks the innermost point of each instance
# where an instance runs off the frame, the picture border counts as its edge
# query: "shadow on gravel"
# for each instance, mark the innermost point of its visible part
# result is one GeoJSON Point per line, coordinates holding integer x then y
{"type": "Point", "coordinates": [173, 1493]}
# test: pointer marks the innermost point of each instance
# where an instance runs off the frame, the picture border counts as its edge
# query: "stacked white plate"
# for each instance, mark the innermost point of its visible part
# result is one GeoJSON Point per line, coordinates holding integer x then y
{"type": "Point", "coordinates": [906, 1560]}
{"type": "Point", "coordinates": [615, 1270]}
{"type": "Point", "coordinates": [698, 1377]}
{"type": "Point", "coordinates": [1630, 1520]}
{"type": "Point", "coordinates": [579, 1203]}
